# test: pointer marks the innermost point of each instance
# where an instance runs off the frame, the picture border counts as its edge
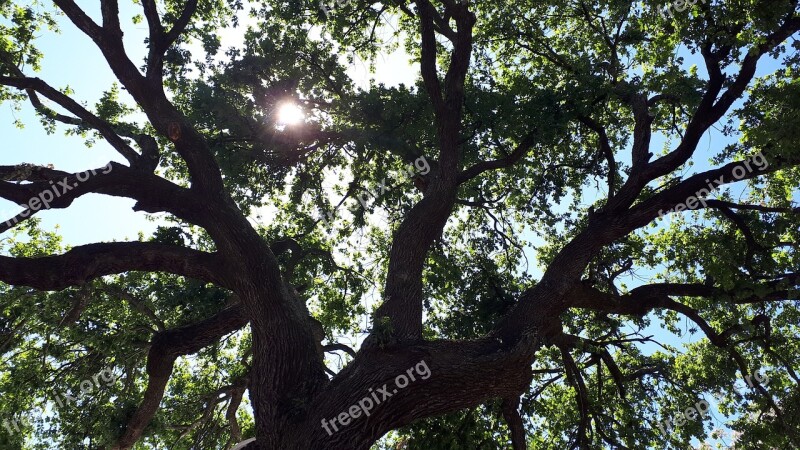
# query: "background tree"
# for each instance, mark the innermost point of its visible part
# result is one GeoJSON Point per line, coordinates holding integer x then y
{"type": "Point", "coordinates": [558, 130]}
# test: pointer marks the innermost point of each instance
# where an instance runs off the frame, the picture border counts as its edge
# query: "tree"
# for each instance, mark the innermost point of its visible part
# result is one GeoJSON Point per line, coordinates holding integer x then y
{"type": "Point", "coordinates": [562, 130]}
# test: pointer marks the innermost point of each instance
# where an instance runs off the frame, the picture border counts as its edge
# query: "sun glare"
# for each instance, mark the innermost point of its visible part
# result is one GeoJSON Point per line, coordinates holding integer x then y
{"type": "Point", "coordinates": [290, 114]}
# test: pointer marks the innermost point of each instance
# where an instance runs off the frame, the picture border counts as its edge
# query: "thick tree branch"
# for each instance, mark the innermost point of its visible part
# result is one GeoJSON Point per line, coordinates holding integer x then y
{"type": "Point", "coordinates": [339, 348]}
{"type": "Point", "coordinates": [161, 40]}
{"type": "Point", "coordinates": [575, 377]}
{"type": "Point", "coordinates": [425, 222]}
{"type": "Point", "coordinates": [463, 374]}
{"type": "Point", "coordinates": [510, 408]}
{"type": "Point", "coordinates": [80, 19]}
{"type": "Point", "coordinates": [49, 188]}
{"type": "Point", "coordinates": [606, 150]}
{"type": "Point", "coordinates": [88, 262]}
{"type": "Point", "coordinates": [515, 156]}
{"type": "Point", "coordinates": [428, 59]}
{"type": "Point", "coordinates": [752, 244]}
{"type": "Point", "coordinates": [643, 299]}
{"type": "Point", "coordinates": [642, 132]}
{"type": "Point", "coordinates": [166, 348]}
{"type": "Point", "coordinates": [696, 187]}
{"type": "Point", "coordinates": [760, 208]}
{"type": "Point", "coordinates": [230, 414]}
{"type": "Point", "coordinates": [155, 55]}
{"type": "Point", "coordinates": [180, 25]}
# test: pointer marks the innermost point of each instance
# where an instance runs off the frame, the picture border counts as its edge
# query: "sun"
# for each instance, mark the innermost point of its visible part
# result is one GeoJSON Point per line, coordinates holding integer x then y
{"type": "Point", "coordinates": [290, 114]}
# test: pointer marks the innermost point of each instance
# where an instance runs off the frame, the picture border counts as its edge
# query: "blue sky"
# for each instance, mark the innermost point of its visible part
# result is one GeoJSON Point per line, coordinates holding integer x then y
{"type": "Point", "coordinates": [71, 59]}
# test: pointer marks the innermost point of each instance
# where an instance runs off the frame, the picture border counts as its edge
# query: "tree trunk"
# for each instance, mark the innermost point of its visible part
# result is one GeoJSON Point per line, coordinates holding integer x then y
{"type": "Point", "coordinates": [392, 387]}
